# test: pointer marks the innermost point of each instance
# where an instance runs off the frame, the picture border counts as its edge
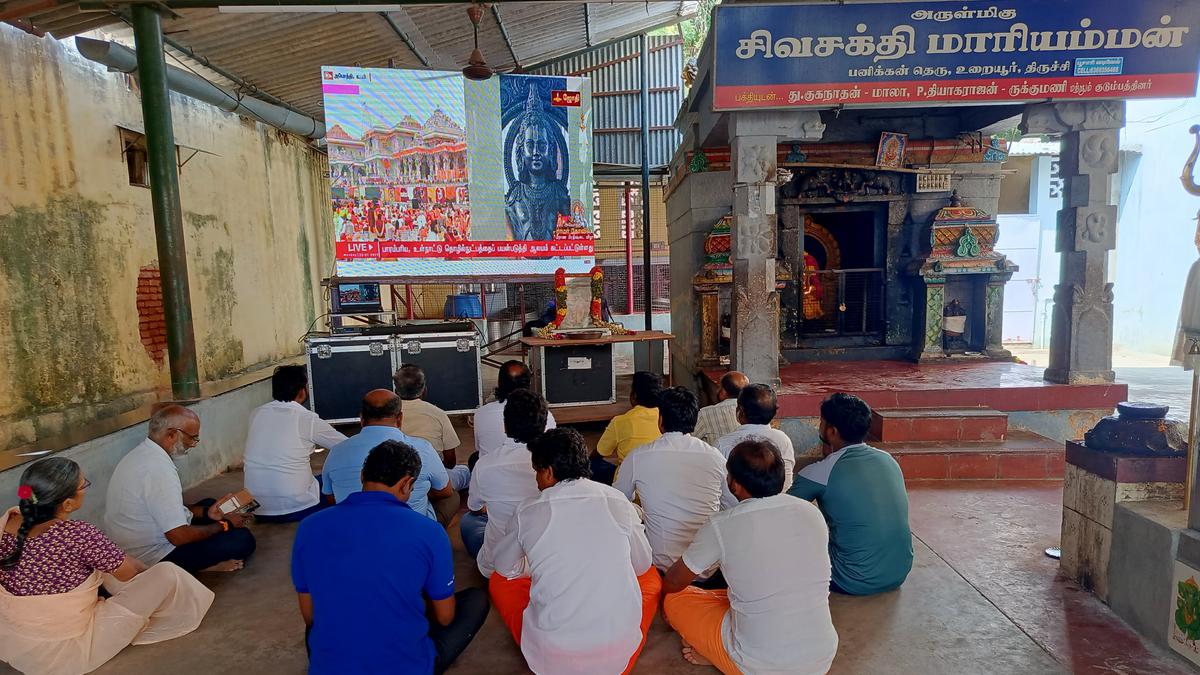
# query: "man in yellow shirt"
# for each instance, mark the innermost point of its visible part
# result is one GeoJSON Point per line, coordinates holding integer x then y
{"type": "Point", "coordinates": [629, 430]}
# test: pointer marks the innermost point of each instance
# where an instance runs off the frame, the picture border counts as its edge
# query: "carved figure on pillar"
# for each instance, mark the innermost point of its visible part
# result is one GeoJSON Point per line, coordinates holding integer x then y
{"type": "Point", "coordinates": [1081, 329]}
{"type": "Point", "coordinates": [755, 335]}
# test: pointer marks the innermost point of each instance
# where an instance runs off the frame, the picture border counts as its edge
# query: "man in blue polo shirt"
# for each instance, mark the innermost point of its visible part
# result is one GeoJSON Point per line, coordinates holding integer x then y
{"type": "Point", "coordinates": [362, 595]}
{"type": "Point", "coordinates": [381, 416]}
{"type": "Point", "coordinates": [860, 490]}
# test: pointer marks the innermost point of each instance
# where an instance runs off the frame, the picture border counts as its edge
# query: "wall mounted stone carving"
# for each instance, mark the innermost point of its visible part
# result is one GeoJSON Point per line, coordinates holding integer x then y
{"type": "Point", "coordinates": [840, 184]}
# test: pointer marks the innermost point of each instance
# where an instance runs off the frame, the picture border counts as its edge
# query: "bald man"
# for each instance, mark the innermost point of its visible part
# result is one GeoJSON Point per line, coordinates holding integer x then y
{"type": "Point", "coordinates": [756, 409]}
{"type": "Point", "coordinates": [719, 419]}
{"type": "Point", "coordinates": [381, 417]}
{"type": "Point", "coordinates": [145, 514]}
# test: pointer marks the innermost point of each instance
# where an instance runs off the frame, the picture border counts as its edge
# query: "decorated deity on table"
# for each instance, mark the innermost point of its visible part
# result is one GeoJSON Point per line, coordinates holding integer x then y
{"type": "Point", "coordinates": [597, 310]}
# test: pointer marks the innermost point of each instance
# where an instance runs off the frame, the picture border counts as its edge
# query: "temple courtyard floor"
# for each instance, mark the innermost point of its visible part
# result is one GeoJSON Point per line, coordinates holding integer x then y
{"type": "Point", "coordinates": [982, 598]}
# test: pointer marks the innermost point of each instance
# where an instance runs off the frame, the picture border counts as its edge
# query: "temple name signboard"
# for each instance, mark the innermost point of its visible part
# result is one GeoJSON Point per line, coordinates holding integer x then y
{"type": "Point", "coordinates": [814, 56]}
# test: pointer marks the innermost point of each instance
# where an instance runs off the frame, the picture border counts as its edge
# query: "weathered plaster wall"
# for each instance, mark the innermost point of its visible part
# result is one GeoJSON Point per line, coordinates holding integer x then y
{"type": "Point", "coordinates": [224, 421]}
{"type": "Point", "coordinates": [74, 233]}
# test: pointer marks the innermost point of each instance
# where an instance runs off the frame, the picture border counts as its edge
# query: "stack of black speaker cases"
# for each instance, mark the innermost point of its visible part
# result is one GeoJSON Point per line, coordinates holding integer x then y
{"type": "Point", "coordinates": [342, 368]}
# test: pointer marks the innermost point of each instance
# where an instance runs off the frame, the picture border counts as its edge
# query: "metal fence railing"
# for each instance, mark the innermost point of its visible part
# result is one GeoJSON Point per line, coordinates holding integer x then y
{"type": "Point", "coordinates": [839, 303]}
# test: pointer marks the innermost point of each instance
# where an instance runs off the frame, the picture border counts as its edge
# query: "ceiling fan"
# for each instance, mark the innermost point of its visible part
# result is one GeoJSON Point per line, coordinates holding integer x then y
{"type": "Point", "coordinates": [477, 68]}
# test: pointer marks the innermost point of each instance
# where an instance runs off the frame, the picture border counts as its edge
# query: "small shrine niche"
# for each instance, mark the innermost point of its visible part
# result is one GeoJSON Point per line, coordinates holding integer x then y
{"type": "Point", "coordinates": [961, 286]}
{"type": "Point", "coordinates": [713, 285]}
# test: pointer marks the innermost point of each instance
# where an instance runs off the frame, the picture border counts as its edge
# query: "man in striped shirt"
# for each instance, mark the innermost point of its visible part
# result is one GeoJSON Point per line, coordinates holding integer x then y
{"type": "Point", "coordinates": [721, 418]}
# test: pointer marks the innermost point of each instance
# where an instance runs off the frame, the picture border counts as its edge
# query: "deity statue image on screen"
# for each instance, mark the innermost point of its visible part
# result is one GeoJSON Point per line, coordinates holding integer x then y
{"type": "Point", "coordinates": [536, 161]}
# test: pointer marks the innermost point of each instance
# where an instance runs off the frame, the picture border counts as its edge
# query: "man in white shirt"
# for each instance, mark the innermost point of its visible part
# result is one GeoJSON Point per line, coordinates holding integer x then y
{"type": "Point", "coordinates": [773, 551]}
{"type": "Point", "coordinates": [489, 419]}
{"type": "Point", "coordinates": [423, 419]}
{"type": "Point", "coordinates": [144, 511]}
{"type": "Point", "coordinates": [283, 436]}
{"type": "Point", "coordinates": [677, 478]}
{"type": "Point", "coordinates": [721, 418]}
{"type": "Point", "coordinates": [756, 409]}
{"type": "Point", "coordinates": [503, 479]}
{"type": "Point", "coordinates": [574, 580]}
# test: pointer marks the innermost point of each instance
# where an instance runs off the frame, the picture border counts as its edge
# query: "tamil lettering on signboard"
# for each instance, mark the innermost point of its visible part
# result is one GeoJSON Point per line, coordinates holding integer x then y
{"type": "Point", "coordinates": [791, 56]}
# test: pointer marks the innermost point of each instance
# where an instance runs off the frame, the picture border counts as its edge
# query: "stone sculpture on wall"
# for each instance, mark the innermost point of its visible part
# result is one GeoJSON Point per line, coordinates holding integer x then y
{"type": "Point", "coordinates": [839, 184]}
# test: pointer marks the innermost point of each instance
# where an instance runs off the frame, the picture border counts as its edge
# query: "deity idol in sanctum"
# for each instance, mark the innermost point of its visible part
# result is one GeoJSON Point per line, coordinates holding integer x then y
{"type": "Point", "coordinates": [539, 196]}
{"type": "Point", "coordinates": [814, 292]}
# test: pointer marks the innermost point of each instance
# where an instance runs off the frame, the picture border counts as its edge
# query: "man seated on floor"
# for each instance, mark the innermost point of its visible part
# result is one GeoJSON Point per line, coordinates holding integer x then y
{"type": "Point", "coordinates": [381, 417]}
{"type": "Point", "coordinates": [144, 511]}
{"type": "Point", "coordinates": [423, 419]}
{"type": "Point", "coordinates": [283, 436]}
{"type": "Point", "coordinates": [489, 419]}
{"type": "Point", "coordinates": [756, 409]}
{"type": "Point", "coordinates": [630, 429]}
{"type": "Point", "coordinates": [364, 570]}
{"type": "Point", "coordinates": [772, 550]}
{"type": "Point", "coordinates": [861, 492]}
{"type": "Point", "coordinates": [677, 479]}
{"type": "Point", "coordinates": [503, 479]}
{"type": "Point", "coordinates": [574, 580]}
{"type": "Point", "coordinates": [721, 418]}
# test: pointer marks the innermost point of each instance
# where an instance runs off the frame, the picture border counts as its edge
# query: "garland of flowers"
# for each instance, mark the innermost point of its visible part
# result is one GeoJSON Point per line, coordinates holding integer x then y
{"type": "Point", "coordinates": [598, 305]}
{"type": "Point", "coordinates": [596, 310]}
{"type": "Point", "coordinates": [597, 295]}
{"type": "Point", "coordinates": [560, 297]}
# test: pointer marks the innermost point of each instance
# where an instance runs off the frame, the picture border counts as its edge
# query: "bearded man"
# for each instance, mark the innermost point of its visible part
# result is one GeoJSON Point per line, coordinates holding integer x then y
{"type": "Point", "coordinates": [145, 514]}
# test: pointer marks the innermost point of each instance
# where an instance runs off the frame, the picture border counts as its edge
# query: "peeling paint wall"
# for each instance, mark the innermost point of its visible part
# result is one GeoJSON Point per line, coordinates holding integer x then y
{"type": "Point", "coordinates": [74, 234]}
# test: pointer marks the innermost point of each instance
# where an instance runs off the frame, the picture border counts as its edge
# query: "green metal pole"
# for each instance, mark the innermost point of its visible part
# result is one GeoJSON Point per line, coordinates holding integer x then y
{"type": "Point", "coordinates": [164, 196]}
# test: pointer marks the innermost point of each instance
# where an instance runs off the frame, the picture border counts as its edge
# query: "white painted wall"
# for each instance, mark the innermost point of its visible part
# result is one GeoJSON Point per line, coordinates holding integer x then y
{"type": "Point", "coordinates": [1154, 235]}
{"type": "Point", "coordinates": [1156, 226]}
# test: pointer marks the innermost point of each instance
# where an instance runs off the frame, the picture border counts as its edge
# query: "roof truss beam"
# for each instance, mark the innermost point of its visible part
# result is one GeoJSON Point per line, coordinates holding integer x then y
{"type": "Point", "coordinates": [504, 34]}
{"type": "Point", "coordinates": [404, 37]}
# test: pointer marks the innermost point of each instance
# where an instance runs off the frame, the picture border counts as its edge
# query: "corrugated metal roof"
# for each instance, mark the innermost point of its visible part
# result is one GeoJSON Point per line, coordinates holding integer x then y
{"type": "Point", "coordinates": [615, 71]}
{"type": "Point", "coordinates": [281, 52]}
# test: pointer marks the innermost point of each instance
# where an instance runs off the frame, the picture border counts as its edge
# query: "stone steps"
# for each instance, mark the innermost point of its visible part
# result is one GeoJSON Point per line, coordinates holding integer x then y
{"type": "Point", "coordinates": [1021, 455]}
{"type": "Point", "coordinates": [938, 425]}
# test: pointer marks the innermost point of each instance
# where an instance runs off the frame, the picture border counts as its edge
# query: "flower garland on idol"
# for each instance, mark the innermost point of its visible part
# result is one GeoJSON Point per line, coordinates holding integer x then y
{"type": "Point", "coordinates": [596, 309]}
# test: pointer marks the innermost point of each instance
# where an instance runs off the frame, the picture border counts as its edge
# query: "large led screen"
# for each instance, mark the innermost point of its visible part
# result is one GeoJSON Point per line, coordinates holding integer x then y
{"type": "Point", "coordinates": [433, 175]}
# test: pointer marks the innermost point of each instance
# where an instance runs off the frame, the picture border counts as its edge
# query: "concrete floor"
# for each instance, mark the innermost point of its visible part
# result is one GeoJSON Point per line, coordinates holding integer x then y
{"type": "Point", "coordinates": [982, 598]}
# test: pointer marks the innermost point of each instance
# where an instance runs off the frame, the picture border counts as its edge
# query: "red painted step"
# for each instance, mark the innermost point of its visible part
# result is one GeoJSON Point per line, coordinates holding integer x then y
{"type": "Point", "coordinates": [937, 424]}
{"type": "Point", "coordinates": [1022, 455]}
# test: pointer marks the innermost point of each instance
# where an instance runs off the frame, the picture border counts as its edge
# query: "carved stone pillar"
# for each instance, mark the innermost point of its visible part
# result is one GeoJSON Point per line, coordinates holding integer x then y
{"type": "Point", "coordinates": [931, 324]}
{"type": "Point", "coordinates": [710, 325]}
{"type": "Point", "coordinates": [754, 347]}
{"type": "Point", "coordinates": [993, 317]}
{"type": "Point", "coordinates": [1081, 331]}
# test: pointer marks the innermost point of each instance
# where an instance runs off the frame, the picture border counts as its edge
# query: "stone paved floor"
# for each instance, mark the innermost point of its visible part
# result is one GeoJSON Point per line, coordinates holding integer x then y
{"type": "Point", "coordinates": [982, 598]}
